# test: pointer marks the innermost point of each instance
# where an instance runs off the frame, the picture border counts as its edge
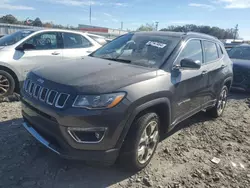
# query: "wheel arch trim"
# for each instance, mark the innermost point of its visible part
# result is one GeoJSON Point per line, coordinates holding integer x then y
{"type": "Point", "coordinates": [137, 111]}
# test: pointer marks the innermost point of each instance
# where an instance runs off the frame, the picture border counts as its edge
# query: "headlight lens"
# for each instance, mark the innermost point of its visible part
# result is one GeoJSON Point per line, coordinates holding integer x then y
{"type": "Point", "coordinates": [98, 101]}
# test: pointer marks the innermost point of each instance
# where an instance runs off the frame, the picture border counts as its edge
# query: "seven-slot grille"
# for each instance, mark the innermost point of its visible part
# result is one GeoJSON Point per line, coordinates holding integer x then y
{"type": "Point", "coordinates": [51, 97]}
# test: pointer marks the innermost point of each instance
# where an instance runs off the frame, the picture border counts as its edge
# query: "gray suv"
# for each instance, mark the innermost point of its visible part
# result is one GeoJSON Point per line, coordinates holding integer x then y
{"type": "Point", "coordinates": [114, 103]}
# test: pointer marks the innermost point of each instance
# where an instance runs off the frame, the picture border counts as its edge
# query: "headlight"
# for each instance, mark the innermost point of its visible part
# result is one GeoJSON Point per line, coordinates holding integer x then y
{"type": "Point", "coordinates": [98, 101]}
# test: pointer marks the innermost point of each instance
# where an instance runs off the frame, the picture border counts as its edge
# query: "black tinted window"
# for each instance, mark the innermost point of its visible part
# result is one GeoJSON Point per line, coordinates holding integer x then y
{"type": "Point", "coordinates": [192, 50]}
{"type": "Point", "coordinates": [72, 40]}
{"type": "Point", "coordinates": [241, 52]}
{"type": "Point", "coordinates": [211, 53]}
{"type": "Point", "coordinates": [44, 41]}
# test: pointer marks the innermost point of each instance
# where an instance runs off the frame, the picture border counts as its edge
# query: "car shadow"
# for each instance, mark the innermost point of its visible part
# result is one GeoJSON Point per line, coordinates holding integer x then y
{"type": "Point", "coordinates": [238, 95]}
{"type": "Point", "coordinates": [194, 120]}
{"type": "Point", "coordinates": [25, 161]}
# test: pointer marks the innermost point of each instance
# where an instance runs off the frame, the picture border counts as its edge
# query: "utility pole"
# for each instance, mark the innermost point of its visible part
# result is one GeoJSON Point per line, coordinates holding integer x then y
{"type": "Point", "coordinates": [236, 31]}
{"type": "Point", "coordinates": [156, 26]}
{"type": "Point", "coordinates": [90, 13]}
{"type": "Point", "coordinates": [121, 25]}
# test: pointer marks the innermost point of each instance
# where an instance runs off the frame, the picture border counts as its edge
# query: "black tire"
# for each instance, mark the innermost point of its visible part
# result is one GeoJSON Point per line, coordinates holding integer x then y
{"type": "Point", "coordinates": [215, 111]}
{"type": "Point", "coordinates": [129, 152]}
{"type": "Point", "coordinates": [11, 82]}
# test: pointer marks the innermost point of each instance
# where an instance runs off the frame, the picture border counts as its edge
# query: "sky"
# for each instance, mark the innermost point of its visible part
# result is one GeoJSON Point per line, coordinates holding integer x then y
{"type": "Point", "coordinates": [133, 13]}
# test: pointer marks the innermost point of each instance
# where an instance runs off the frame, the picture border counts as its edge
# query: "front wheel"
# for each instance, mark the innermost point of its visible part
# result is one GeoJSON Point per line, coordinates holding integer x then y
{"type": "Point", "coordinates": [7, 84]}
{"type": "Point", "coordinates": [219, 108]}
{"type": "Point", "coordinates": [141, 142]}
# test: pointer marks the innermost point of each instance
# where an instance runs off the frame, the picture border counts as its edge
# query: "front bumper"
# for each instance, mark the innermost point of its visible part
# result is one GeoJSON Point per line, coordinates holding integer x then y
{"type": "Point", "coordinates": [50, 128]}
{"type": "Point", "coordinates": [101, 156]}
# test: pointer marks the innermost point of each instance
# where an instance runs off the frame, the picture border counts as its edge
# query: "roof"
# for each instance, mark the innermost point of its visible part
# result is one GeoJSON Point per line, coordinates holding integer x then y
{"type": "Point", "coordinates": [178, 34]}
{"type": "Point", "coordinates": [61, 30]}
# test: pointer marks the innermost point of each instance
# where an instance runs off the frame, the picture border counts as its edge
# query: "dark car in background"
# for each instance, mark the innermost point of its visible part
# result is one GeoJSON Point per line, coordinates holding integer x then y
{"type": "Point", "coordinates": [240, 55]}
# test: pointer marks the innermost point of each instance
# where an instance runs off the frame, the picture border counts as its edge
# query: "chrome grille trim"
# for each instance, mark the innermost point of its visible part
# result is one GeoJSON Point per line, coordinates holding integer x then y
{"type": "Point", "coordinates": [40, 95]}
{"type": "Point", "coordinates": [34, 94]}
{"type": "Point", "coordinates": [37, 91]}
{"type": "Point", "coordinates": [31, 88]}
{"type": "Point", "coordinates": [58, 98]}
{"type": "Point", "coordinates": [48, 97]}
{"type": "Point", "coordinates": [27, 85]}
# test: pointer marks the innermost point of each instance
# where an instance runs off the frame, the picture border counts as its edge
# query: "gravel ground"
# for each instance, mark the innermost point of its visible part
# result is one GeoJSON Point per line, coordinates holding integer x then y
{"type": "Point", "coordinates": [183, 159]}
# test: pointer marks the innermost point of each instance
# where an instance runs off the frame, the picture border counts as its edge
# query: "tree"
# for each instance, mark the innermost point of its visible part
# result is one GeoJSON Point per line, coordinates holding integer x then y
{"type": "Point", "coordinates": [37, 22]}
{"type": "Point", "coordinates": [10, 19]}
{"type": "Point", "coordinates": [214, 31]}
{"type": "Point", "coordinates": [147, 27]}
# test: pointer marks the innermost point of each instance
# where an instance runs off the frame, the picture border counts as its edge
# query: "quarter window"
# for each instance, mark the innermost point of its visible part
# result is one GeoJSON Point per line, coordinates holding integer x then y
{"type": "Point", "coordinates": [192, 50]}
{"type": "Point", "coordinates": [211, 53]}
{"type": "Point", "coordinates": [45, 41]}
{"type": "Point", "coordinates": [72, 40]}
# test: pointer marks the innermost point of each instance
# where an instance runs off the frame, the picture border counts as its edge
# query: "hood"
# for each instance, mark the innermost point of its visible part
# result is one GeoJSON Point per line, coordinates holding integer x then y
{"type": "Point", "coordinates": [94, 75]}
{"type": "Point", "coordinates": [241, 62]}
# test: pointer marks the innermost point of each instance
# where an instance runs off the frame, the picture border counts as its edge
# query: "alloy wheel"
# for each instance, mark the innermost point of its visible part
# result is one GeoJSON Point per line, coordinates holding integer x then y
{"type": "Point", "coordinates": [222, 102]}
{"type": "Point", "coordinates": [148, 142]}
{"type": "Point", "coordinates": [4, 85]}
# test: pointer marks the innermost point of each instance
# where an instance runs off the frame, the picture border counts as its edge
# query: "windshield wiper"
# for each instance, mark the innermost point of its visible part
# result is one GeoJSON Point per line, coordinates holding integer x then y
{"type": "Point", "coordinates": [118, 60]}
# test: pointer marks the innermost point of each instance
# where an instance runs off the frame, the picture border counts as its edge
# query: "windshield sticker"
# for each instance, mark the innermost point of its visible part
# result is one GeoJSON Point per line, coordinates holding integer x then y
{"type": "Point", "coordinates": [156, 44]}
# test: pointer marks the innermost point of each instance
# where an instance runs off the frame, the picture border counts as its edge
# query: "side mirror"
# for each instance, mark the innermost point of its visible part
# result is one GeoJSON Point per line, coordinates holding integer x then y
{"type": "Point", "coordinates": [25, 46]}
{"type": "Point", "coordinates": [190, 64]}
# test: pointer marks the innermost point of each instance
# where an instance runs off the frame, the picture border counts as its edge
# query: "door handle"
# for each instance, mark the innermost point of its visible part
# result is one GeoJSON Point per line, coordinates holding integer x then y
{"type": "Point", "coordinates": [89, 51]}
{"type": "Point", "coordinates": [223, 66]}
{"type": "Point", "coordinates": [204, 73]}
{"type": "Point", "coordinates": [55, 53]}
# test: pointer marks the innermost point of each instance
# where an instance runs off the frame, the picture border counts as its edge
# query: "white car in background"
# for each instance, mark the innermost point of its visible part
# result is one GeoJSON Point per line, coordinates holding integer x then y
{"type": "Point", "coordinates": [27, 49]}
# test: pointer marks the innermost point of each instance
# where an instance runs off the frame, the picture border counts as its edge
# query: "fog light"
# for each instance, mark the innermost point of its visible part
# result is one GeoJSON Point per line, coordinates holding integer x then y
{"type": "Point", "coordinates": [87, 135]}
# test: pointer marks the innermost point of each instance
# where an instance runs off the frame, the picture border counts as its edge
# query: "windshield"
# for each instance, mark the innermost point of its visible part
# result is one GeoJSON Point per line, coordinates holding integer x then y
{"type": "Point", "coordinates": [100, 40]}
{"type": "Point", "coordinates": [241, 52]}
{"type": "Point", "coordinates": [147, 50]}
{"type": "Point", "coordinates": [14, 37]}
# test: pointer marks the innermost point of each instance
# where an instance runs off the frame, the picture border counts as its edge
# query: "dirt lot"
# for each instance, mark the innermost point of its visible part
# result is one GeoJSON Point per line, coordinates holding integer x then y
{"type": "Point", "coordinates": [182, 160]}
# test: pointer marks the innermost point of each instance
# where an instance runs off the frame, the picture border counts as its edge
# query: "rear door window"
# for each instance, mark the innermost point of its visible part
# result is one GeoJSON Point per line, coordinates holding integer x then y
{"type": "Point", "coordinates": [72, 40]}
{"type": "Point", "coordinates": [210, 50]}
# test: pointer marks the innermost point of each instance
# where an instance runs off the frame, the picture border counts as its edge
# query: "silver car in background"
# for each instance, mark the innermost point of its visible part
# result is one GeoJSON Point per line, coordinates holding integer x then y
{"type": "Point", "coordinates": [27, 49]}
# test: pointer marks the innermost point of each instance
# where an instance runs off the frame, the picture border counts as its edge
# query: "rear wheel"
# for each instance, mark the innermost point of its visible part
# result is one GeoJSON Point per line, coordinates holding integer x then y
{"type": "Point", "coordinates": [7, 84]}
{"type": "Point", "coordinates": [219, 108]}
{"type": "Point", "coordinates": [141, 142]}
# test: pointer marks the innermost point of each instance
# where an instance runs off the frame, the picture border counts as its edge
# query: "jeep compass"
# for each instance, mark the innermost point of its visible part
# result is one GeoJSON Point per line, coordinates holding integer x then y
{"type": "Point", "coordinates": [113, 104]}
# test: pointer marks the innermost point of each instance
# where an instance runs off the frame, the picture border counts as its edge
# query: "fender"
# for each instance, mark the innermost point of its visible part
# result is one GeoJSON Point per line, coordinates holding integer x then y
{"type": "Point", "coordinates": [228, 79]}
{"type": "Point", "coordinates": [11, 68]}
{"type": "Point", "coordinates": [138, 110]}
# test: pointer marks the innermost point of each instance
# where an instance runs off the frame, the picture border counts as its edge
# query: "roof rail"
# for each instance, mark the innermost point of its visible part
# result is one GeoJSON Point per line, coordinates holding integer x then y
{"type": "Point", "coordinates": [201, 34]}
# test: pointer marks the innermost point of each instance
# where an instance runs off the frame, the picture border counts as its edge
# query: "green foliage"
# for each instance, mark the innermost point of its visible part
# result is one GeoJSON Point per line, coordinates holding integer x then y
{"type": "Point", "coordinates": [214, 31]}
{"type": "Point", "coordinates": [37, 22]}
{"type": "Point", "coordinates": [147, 27]}
{"type": "Point", "coordinates": [10, 19]}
